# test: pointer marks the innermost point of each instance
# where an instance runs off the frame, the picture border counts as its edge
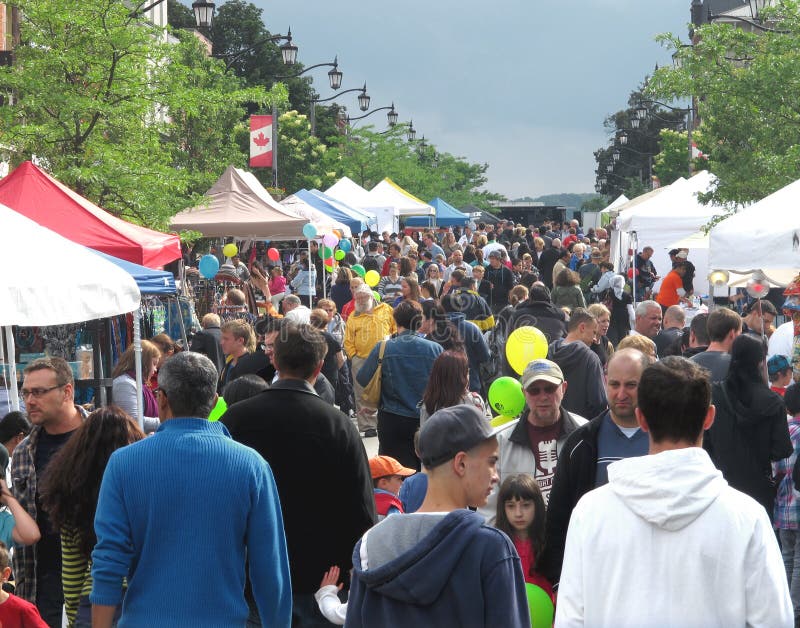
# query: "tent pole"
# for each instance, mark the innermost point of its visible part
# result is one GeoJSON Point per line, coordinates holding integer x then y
{"type": "Point", "coordinates": [634, 245]}
{"type": "Point", "coordinates": [311, 265]}
{"type": "Point", "coordinates": [12, 369]}
{"type": "Point", "coordinates": [181, 324]}
{"type": "Point", "coordinates": [137, 350]}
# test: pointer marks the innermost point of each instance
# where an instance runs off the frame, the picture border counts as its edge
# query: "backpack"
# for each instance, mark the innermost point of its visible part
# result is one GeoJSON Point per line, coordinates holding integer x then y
{"type": "Point", "coordinates": [371, 263]}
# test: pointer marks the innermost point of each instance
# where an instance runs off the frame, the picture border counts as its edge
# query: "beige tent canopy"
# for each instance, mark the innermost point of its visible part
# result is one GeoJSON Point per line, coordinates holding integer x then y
{"type": "Point", "coordinates": [237, 207]}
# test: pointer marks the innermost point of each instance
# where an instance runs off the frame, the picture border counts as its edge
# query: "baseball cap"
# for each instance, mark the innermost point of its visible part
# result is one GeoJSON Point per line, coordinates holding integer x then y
{"type": "Point", "coordinates": [451, 430]}
{"type": "Point", "coordinates": [681, 255]}
{"type": "Point", "coordinates": [778, 363]}
{"type": "Point", "coordinates": [544, 370]}
{"type": "Point", "coordinates": [495, 253]}
{"type": "Point", "coordinates": [381, 466]}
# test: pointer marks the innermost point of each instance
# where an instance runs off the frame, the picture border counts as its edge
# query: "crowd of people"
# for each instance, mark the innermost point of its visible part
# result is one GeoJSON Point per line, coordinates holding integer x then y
{"type": "Point", "coordinates": [649, 479]}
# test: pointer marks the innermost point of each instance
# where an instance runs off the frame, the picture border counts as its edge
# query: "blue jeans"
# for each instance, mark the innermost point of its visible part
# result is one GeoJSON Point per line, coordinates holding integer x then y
{"type": "Point", "coordinates": [790, 549]}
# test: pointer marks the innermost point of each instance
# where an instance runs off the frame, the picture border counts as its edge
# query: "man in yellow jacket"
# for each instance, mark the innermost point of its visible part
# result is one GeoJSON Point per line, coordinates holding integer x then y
{"type": "Point", "coordinates": [367, 325]}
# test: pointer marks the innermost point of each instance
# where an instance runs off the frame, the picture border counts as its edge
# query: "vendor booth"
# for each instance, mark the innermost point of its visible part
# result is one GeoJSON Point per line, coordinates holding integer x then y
{"type": "Point", "coordinates": [663, 219]}
{"type": "Point", "coordinates": [348, 191]}
{"type": "Point", "coordinates": [765, 236]}
{"type": "Point", "coordinates": [446, 216]}
{"type": "Point", "coordinates": [388, 194]}
{"type": "Point", "coordinates": [32, 192]}
{"type": "Point", "coordinates": [68, 285]}
{"type": "Point", "coordinates": [238, 205]}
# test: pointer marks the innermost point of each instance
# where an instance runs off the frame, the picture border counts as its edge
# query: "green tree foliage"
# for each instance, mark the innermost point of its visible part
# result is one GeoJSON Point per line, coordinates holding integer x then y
{"type": "Point", "coordinates": [138, 124]}
{"type": "Point", "coordinates": [745, 85]}
{"type": "Point", "coordinates": [367, 157]}
{"type": "Point", "coordinates": [673, 160]}
{"type": "Point", "coordinates": [634, 166]}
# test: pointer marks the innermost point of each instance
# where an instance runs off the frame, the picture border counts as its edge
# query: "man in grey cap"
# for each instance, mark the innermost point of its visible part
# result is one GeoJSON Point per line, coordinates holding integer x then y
{"type": "Point", "coordinates": [442, 565]}
{"type": "Point", "coordinates": [532, 443]}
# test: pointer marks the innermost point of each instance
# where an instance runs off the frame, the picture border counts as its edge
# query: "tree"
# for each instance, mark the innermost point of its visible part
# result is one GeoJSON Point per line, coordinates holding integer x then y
{"type": "Point", "coordinates": [633, 168]}
{"type": "Point", "coordinates": [671, 163]}
{"type": "Point", "coordinates": [745, 87]}
{"type": "Point", "coordinates": [138, 125]}
{"type": "Point", "coordinates": [367, 157]}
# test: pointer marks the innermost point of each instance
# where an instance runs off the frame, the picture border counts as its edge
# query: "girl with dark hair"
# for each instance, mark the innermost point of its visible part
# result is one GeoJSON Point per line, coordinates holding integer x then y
{"type": "Point", "coordinates": [750, 429]}
{"type": "Point", "coordinates": [521, 515]}
{"type": "Point", "coordinates": [448, 385]}
{"type": "Point", "coordinates": [340, 290]}
{"type": "Point", "coordinates": [437, 327]}
{"type": "Point", "coordinates": [69, 491]}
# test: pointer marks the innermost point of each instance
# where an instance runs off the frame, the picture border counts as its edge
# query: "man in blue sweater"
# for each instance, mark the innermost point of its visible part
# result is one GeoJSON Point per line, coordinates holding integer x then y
{"type": "Point", "coordinates": [186, 507]}
{"type": "Point", "coordinates": [442, 565]}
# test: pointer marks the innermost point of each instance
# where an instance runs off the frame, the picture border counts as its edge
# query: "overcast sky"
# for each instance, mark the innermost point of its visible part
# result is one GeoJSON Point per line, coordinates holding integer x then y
{"type": "Point", "coordinates": [522, 85]}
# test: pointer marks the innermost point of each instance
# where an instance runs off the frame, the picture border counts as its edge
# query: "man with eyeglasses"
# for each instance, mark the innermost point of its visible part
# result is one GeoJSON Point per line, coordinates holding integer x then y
{"type": "Point", "coordinates": [533, 443]}
{"type": "Point", "coordinates": [47, 390]}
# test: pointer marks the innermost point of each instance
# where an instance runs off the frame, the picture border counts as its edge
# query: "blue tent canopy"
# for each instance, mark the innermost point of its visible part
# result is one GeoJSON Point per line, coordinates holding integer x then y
{"type": "Point", "coordinates": [149, 281]}
{"type": "Point", "coordinates": [357, 225]}
{"type": "Point", "coordinates": [357, 214]}
{"type": "Point", "coordinates": [446, 216]}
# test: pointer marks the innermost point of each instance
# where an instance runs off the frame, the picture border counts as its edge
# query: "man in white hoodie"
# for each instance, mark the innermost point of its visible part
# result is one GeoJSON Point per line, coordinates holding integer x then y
{"type": "Point", "coordinates": [667, 542]}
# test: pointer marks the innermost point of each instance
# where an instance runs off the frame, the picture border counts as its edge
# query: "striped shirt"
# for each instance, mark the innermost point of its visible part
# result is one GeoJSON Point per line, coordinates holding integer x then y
{"type": "Point", "coordinates": [786, 504]}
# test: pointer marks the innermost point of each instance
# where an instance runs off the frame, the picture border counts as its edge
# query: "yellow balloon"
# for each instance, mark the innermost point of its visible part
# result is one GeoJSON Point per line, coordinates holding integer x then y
{"type": "Point", "coordinates": [372, 278]}
{"type": "Point", "coordinates": [524, 345]}
{"type": "Point", "coordinates": [501, 420]}
{"type": "Point", "coordinates": [229, 250]}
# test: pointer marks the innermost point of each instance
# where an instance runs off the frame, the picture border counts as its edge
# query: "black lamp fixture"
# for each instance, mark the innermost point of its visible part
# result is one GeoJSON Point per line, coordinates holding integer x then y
{"type": "Point", "coordinates": [392, 116]}
{"type": "Point", "coordinates": [622, 138]}
{"type": "Point", "coordinates": [203, 13]}
{"type": "Point", "coordinates": [602, 180]}
{"type": "Point", "coordinates": [641, 111]}
{"type": "Point", "coordinates": [289, 50]}
{"type": "Point", "coordinates": [363, 99]}
{"type": "Point", "coordinates": [335, 74]}
{"type": "Point", "coordinates": [615, 154]}
{"type": "Point", "coordinates": [411, 133]}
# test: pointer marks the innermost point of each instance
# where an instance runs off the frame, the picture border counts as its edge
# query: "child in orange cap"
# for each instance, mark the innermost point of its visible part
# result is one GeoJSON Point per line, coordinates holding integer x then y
{"type": "Point", "coordinates": [387, 478]}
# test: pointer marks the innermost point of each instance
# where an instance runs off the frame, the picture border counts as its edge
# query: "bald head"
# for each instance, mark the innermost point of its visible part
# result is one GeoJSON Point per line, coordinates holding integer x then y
{"type": "Point", "coordinates": [625, 369]}
{"type": "Point", "coordinates": [674, 317]}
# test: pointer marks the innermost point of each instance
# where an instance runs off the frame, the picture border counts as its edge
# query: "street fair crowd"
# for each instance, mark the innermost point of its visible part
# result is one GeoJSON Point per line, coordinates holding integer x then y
{"type": "Point", "coordinates": [560, 441]}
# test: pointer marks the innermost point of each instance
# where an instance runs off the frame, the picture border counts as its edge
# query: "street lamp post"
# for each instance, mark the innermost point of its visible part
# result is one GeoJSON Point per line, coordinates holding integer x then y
{"type": "Point", "coordinates": [288, 50]}
{"type": "Point", "coordinates": [391, 116]}
{"type": "Point", "coordinates": [642, 113]}
{"type": "Point", "coordinates": [363, 103]}
{"type": "Point", "coordinates": [203, 12]}
{"type": "Point", "coordinates": [411, 133]}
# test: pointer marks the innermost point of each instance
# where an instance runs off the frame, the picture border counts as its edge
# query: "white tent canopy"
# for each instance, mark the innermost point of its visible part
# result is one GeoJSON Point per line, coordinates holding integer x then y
{"type": "Point", "coordinates": [348, 191]}
{"type": "Point", "coordinates": [68, 285]}
{"type": "Point", "coordinates": [617, 202]}
{"type": "Point", "coordinates": [388, 194]}
{"type": "Point", "coordinates": [665, 218]}
{"type": "Point", "coordinates": [765, 236]}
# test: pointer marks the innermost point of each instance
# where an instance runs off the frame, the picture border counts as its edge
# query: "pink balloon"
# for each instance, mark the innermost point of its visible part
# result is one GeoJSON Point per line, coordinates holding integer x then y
{"type": "Point", "coordinates": [330, 240]}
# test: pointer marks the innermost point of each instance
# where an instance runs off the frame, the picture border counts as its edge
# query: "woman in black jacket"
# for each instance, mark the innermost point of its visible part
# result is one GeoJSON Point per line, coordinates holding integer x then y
{"type": "Point", "coordinates": [750, 429]}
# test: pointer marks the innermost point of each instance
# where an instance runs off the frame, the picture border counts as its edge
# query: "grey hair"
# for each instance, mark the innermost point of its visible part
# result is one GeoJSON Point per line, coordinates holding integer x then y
{"type": "Point", "coordinates": [644, 306]}
{"type": "Point", "coordinates": [293, 299]}
{"type": "Point", "coordinates": [189, 381]}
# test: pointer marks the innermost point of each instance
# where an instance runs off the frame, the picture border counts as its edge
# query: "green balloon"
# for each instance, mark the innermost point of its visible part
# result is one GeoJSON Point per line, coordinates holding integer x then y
{"type": "Point", "coordinates": [506, 396]}
{"type": "Point", "coordinates": [359, 270]}
{"type": "Point", "coordinates": [339, 255]}
{"type": "Point", "coordinates": [377, 296]}
{"type": "Point", "coordinates": [218, 410]}
{"type": "Point", "coordinates": [540, 606]}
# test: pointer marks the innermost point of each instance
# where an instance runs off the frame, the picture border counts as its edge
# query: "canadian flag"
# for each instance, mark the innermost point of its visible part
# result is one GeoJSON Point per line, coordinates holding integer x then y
{"type": "Point", "coordinates": [261, 141]}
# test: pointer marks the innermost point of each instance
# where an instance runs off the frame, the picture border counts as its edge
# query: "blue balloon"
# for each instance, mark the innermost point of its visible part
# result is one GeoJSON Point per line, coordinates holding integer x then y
{"type": "Point", "coordinates": [310, 231]}
{"type": "Point", "coordinates": [209, 265]}
{"type": "Point", "coordinates": [344, 245]}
